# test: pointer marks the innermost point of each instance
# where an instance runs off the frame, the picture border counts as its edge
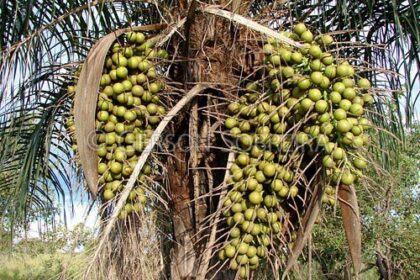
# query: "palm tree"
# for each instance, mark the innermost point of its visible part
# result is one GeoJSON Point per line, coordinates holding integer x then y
{"type": "Point", "coordinates": [44, 42]}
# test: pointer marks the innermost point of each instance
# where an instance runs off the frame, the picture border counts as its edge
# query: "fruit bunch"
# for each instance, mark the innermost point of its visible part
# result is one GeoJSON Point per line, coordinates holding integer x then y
{"type": "Point", "coordinates": [307, 108]}
{"type": "Point", "coordinates": [128, 110]}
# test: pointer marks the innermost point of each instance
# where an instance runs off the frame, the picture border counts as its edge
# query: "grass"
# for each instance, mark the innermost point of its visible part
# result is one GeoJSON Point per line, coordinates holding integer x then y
{"type": "Point", "coordinates": [18, 266]}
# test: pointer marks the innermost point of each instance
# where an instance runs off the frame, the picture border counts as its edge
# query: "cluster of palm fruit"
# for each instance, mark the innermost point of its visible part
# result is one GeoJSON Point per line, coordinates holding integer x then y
{"type": "Point", "coordinates": [128, 110]}
{"type": "Point", "coordinates": [70, 126]}
{"type": "Point", "coordinates": [308, 105]}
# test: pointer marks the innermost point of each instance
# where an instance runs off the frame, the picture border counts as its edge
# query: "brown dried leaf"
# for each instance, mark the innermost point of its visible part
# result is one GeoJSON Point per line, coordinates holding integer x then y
{"type": "Point", "coordinates": [351, 222]}
{"type": "Point", "coordinates": [85, 102]}
{"type": "Point", "coordinates": [305, 230]}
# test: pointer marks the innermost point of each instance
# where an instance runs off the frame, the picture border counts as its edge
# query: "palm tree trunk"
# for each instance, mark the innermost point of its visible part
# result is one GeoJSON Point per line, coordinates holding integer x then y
{"type": "Point", "coordinates": [207, 39]}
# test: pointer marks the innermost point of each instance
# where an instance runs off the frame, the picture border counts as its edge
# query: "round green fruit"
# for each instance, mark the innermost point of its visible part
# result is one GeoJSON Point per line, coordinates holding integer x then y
{"type": "Point", "coordinates": [363, 83]}
{"type": "Point", "coordinates": [307, 36]}
{"type": "Point", "coordinates": [315, 51]}
{"type": "Point", "coordinates": [299, 28]}
{"type": "Point", "coordinates": [343, 126]}
{"type": "Point", "coordinates": [255, 197]}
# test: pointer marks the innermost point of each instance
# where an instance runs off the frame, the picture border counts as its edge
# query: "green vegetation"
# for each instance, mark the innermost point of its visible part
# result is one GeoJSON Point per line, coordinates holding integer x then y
{"type": "Point", "coordinates": [59, 254]}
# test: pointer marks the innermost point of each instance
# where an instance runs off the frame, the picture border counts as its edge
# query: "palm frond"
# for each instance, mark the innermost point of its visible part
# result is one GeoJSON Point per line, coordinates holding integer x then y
{"type": "Point", "coordinates": [42, 42]}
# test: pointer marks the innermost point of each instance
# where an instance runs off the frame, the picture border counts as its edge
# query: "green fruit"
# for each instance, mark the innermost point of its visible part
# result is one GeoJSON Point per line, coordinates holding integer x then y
{"type": "Point", "coordinates": [307, 36]}
{"type": "Point", "coordinates": [364, 83]}
{"type": "Point", "coordinates": [296, 57]}
{"type": "Point", "coordinates": [287, 72]}
{"type": "Point", "coordinates": [349, 93]}
{"type": "Point", "coordinates": [115, 167]}
{"type": "Point", "coordinates": [302, 138]}
{"type": "Point", "coordinates": [105, 80]}
{"type": "Point", "coordinates": [321, 106]}
{"type": "Point", "coordinates": [108, 194]}
{"type": "Point", "coordinates": [108, 90]}
{"type": "Point", "coordinates": [348, 138]}
{"type": "Point", "coordinates": [285, 55]}
{"type": "Point", "coordinates": [231, 123]}
{"type": "Point", "coordinates": [246, 140]}
{"type": "Point", "coordinates": [358, 100]}
{"type": "Point", "coordinates": [327, 59]}
{"type": "Point", "coordinates": [327, 128]}
{"type": "Point", "coordinates": [325, 83]}
{"type": "Point", "coordinates": [315, 65]}
{"type": "Point", "coordinates": [293, 192]}
{"type": "Point", "coordinates": [275, 60]}
{"type": "Point", "coordinates": [130, 115]}
{"type": "Point", "coordinates": [235, 196]}
{"type": "Point", "coordinates": [347, 178]}
{"type": "Point", "coordinates": [137, 90]}
{"type": "Point", "coordinates": [120, 156]}
{"type": "Point", "coordinates": [345, 104]}
{"type": "Point", "coordinates": [357, 129]}
{"type": "Point", "coordinates": [261, 214]}
{"type": "Point", "coordinates": [268, 49]}
{"type": "Point", "coordinates": [339, 87]}
{"type": "Point", "coordinates": [102, 151]}
{"type": "Point", "coordinates": [230, 251]}
{"type": "Point", "coordinates": [277, 185]}
{"type": "Point", "coordinates": [144, 65]}
{"type": "Point", "coordinates": [360, 163]}
{"type": "Point", "coordinates": [276, 227]}
{"type": "Point", "coordinates": [343, 126]}
{"type": "Point", "coordinates": [349, 83]}
{"type": "Point", "coordinates": [335, 97]}
{"type": "Point", "coordinates": [330, 71]}
{"type": "Point", "coordinates": [322, 140]}
{"type": "Point", "coordinates": [365, 123]}
{"type": "Point", "coordinates": [269, 170]}
{"type": "Point", "coordinates": [109, 127]}
{"type": "Point", "coordinates": [154, 88]}
{"type": "Point", "coordinates": [299, 28]}
{"type": "Point", "coordinates": [261, 251]}
{"type": "Point", "coordinates": [314, 94]}
{"type": "Point", "coordinates": [102, 167]}
{"type": "Point", "coordinates": [238, 218]}
{"type": "Point", "coordinates": [249, 214]}
{"type": "Point", "coordinates": [358, 141]}
{"type": "Point", "coordinates": [233, 265]}
{"type": "Point", "coordinates": [315, 51]}
{"type": "Point", "coordinates": [306, 104]}
{"type": "Point", "coordinates": [236, 208]}
{"type": "Point", "coordinates": [316, 77]}
{"type": "Point", "coordinates": [340, 114]}
{"type": "Point", "coordinates": [338, 153]}
{"type": "Point", "coordinates": [270, 201]}
{"type": "Point", "coordinates": [122, 72]}
{"type": "Point", "coordinates": [327, 39]}
{"type": "Point", "coordinates": [152, 109]}
{"type": "Point", "coordinates": [127, 85]}
{"type": "Point", "coordinates": [233, 108]}
{"type": "Point", "coordinates": [328, 162]}
{"type": "Point", "coordinates": [255, 197]}
{"type": "Point", "coordinates": [314, 131]}
{"type": "Point", "coordinates": [284, 191]}
{"type": "Point", "coordinates": [356, 109]}
{"type": "Point", "coordinates": [102, 116]}
{"type": "Point", "coordinates": [242, 160]}
{"type": "Point", "coordinates": [242, 259]}
{"type": "Point", "coordinates": [329, 147]}
{"type": "Point", "coordinates": [118, 88]}
{"type": "Point", "coordinates": [304, 84]}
